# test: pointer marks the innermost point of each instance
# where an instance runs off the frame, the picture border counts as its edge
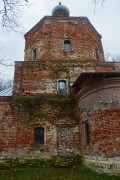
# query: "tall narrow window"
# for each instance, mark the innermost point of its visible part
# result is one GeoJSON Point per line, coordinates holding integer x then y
{"type": "Point", "coordinates": [67, 46]}
{"type": "Point", "coordinates": [34, 54]}
{"type": "Point", "coordinates": [87, 136]}
{"type": "Point", "coordinates": [97, 55]}
{"type": "Point", "coordinates": [62, 88]}
{"type": "Point", "coordinates": [38, 136]}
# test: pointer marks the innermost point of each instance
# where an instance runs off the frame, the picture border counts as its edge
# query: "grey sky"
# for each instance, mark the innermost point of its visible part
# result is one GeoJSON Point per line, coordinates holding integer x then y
{"type": "Point", "coordinates": [105, 20]}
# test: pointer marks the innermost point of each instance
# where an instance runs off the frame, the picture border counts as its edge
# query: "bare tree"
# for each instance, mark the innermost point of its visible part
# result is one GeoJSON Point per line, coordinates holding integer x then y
{"type": "Point", "coordinates": [5, 84]}
{"type": "Point", "coordinates": [4, 61]}
{"type": "Point", "coordinates": [97, 3]}
{"type": "Point", "coordinates": [116, 58]}
{"type": "Point", "coordinates": [10, 11]}
{"type": "Point", "coordinates": [112, 57]}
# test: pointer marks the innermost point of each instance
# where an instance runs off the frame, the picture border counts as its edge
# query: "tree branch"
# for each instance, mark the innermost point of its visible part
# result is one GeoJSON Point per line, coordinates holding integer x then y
{"type": "Point", "coordinates": [10, 11]}
{"type": "Point", "coordinates": [2, 62]}
{"type": "Point", "coordinates": [97, 3]}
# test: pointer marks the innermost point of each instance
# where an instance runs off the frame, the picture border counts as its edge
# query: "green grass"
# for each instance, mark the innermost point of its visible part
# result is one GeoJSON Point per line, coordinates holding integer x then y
{"type": "Point", "coordinates": [53, 173]}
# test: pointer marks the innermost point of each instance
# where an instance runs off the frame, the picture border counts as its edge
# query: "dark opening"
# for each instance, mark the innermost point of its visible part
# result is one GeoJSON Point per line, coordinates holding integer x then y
{"type": "Point", "coordinates": [87, 135]}
{"type": "Point", "coordinates": [34, 53]}
{"type": "Point", "coordinates": [62, 88]}
{"type": "Point", "coordinates": [39, 136]}
{"type": "Point", "coordinates": [67, 46]}
{"type": "Point", "coordinates": [97, 56]}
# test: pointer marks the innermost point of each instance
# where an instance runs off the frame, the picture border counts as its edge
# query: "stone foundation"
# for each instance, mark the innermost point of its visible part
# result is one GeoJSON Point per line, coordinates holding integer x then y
{"type": "Point", "coordinates": [103, 165]}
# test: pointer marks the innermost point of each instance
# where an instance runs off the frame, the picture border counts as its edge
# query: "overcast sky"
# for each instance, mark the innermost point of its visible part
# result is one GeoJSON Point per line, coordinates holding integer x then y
{"type": "Point", "coordinates": [105, 20]}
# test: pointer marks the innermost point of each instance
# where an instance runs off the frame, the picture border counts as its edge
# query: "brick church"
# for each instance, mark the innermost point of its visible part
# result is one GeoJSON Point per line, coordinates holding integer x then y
{"type": "Point", "coordinates": [65, 98]}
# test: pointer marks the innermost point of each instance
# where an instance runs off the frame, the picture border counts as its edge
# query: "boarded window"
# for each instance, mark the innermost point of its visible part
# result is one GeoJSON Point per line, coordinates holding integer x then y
{"type": "Point", "coordinates": [62, 88]}
{"type": "Point", "coordinates": [39, 136]}
{"type": "Point", "coordinates": [87, 135]}
{"type": "Point", "coordinates": [65, 139]}
{"type": "Point", "coordinates": [34, 53]}
{"type": "Point", "coordinates": [67, 46]}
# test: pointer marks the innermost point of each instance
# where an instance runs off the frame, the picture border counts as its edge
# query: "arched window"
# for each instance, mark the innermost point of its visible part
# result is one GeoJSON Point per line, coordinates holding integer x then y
{"type": "Point", "coordinates": [62, 88]}
{"type": "Point", "coordinates": [67, 46]}
{"type": "Point", "coordinates": [38, 136]}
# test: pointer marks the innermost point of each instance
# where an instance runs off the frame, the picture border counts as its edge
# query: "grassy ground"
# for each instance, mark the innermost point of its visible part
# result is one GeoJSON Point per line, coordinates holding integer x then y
{"type": "Point", "coordinates": [52, 173]}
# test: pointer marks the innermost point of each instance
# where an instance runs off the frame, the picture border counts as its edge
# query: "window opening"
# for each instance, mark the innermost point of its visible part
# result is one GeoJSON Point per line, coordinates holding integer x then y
{"type": "Point", "coordinates": [87, 135]}
{"type": "Point", "coordinates": [34, 54]}
{"type": "Point", "coordinates": [97, 56]}
{"type": "Point", "coordinates": [62, 88]}
{"type": "Point", "coordinates": [39, 136]}
{"type": "Point", "coordinates": [67, 46]}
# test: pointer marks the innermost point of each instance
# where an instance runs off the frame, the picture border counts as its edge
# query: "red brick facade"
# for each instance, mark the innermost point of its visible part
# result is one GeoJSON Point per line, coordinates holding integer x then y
{"type": "Point", "coordinates": [92, 127]}
{"type": "Point", "coordinates": [98, 101]}
{"type": "Point", "coordinates": [48, 38]}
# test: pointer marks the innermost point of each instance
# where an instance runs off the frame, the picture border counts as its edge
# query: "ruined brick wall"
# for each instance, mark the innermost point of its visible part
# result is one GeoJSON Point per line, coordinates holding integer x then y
{"type": "Point", "coordinates": [41, 77]}
{"type": "Point", "coordinates": [99, 104]}
{"type": "Point", "coordinates": [17, 123]}
{"type": "Point", "coordinates": [48, 38]}
{"type": "Point", "coordinates": [10, 131]}
{"type": "Point", "coordinates": [98, 100]}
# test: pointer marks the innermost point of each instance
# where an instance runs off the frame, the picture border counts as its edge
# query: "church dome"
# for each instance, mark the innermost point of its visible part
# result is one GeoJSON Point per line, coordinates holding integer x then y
{"type": "Point", "coordinates": [60, 10]}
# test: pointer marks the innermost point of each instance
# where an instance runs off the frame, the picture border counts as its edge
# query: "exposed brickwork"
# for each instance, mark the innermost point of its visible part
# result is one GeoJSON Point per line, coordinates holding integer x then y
{"type": "Point", "coordinates": [99, 105]}
{"type": "Point", "coordinates": [41, 77]}
{"type": "Point", "coordinates": [17, 132]}
{"type": "Point", "coordinates": [49, 38]}
{"type": "Point", "coordinates": [36, 101]}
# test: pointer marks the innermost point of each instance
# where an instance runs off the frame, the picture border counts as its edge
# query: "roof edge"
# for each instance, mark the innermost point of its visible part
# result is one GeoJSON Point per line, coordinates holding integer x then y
{"type": "Point", "coordinates": [96, 75]}
{"type": "Point", "coordinates": [62, 18]}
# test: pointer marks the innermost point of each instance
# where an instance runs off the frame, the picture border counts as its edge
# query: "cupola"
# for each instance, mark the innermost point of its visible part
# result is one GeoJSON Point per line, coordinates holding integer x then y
{"type": "Point", "coordinates": [60, 10]}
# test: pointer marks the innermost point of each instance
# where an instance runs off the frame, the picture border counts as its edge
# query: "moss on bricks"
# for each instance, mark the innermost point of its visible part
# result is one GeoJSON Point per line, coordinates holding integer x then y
{"type": "Point", "coordinates": [57, 161]}
{"type": "Point", "coordinates": [32, 107]}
